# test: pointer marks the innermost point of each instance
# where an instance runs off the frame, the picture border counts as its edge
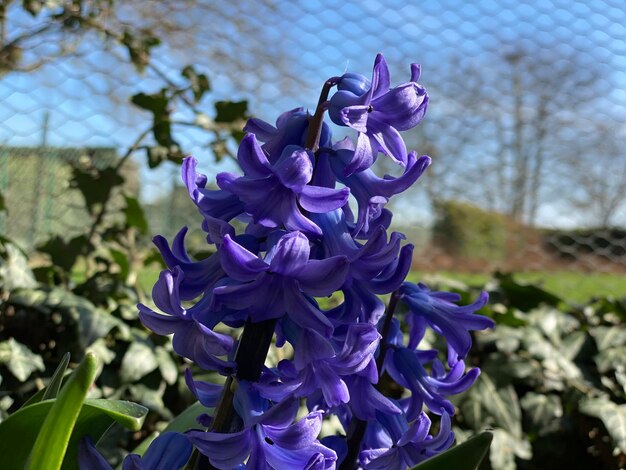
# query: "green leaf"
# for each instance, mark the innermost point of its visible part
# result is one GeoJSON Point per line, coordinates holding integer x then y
{"type": "Point", "coordinates": [92, 322]}
{"type": "Point", "coordinates": [138, 361]}
{"type": "Point", "coordinates": [52, 390]}
{"type": "Point", "coordinates": [122, 261]}
{"type": "Point", "coordinates": [65, 253]}
{"type": "Point", "coordinates": [167, 366]}
{"type": "Point", "coordinates": [501, 404]}
{"type": "Point", "coordinates": [139, 44]}
{"type": "Point", "coordinates": [158, 105]}
{"type": "Point", "coordinates": [134, 215]}
{"type": "Point", "coordinates": [465, 456]}
{"type": "Point", "coordinates": [230, 111]}
{"type": "Point", "coordinates": [181, 423]}
{"type": "Point", "coordinates": [198, 82]}
{"type": "Point", "coordinates": [505, 448]}
{"type": "Point", "coordinates": [53, 438]}
{"type": "Point", "coordinates": [96, 184]}
{"type": "Point", "coordinates": [156, 155]}
{"type": "Point", "coordinates": [187, 419]}
{"type": "Point", "coordinates": [607, 337]}
{"type": "Point", "coordinates": [14, 270]}
{"type": "Point", "coordinates": [19, 431]}
{"type": "Point", "coordinates": [3, 206]}
{"type": "Point", "coordinates": [524, 296]}
{"type": "Point", "coordinates": [20, 360]}
{"type": "Point", "coordinates": [151, 398]}
{"type": "Point", "coordinates": [611, 414]}
{"type": "Point", "coordinates": [543, 411]}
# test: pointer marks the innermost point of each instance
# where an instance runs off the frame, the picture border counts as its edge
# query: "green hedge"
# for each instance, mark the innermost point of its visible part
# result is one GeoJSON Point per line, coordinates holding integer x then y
{"type": "Point", "coordinates": [466, 230]}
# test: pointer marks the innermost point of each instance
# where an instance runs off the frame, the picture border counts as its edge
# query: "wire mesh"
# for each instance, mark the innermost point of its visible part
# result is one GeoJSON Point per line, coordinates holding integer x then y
{"type": "Point", "coordinates": [525, 123]}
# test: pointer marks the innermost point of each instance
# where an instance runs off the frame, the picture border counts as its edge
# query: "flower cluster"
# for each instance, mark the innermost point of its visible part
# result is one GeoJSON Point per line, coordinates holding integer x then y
{"type": "Point", "coordinates": [315, 225]}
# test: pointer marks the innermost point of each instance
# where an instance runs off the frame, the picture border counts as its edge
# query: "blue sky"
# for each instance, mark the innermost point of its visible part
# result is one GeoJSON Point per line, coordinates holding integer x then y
{"type": "Point", "coordinates": [87, 98]}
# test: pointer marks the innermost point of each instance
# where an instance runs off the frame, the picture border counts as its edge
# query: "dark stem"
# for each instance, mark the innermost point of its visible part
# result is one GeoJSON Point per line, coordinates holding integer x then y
{"type": "Point", "coordinates": [256, 337]}
{"type": "Point", "coordinates": [250, 356]}
{"type": "Point", "coordinates": [357, 426]}
{"type": "Point", "coordinates": [252, 349]}
{"type": "Point", "coordinates": [316, 121]}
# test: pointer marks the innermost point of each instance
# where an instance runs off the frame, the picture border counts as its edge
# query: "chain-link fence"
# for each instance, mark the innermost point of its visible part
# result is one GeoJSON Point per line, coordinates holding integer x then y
{"type": "Point", "coordinates": [525, 125]}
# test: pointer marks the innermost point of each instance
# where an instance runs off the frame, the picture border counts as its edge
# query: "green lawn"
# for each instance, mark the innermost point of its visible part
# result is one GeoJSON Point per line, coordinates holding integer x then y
{"type": "Point", "coordinates": [570, 286]}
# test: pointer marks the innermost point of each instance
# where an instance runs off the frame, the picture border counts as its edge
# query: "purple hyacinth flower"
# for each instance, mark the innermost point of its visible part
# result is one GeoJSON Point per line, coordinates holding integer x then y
{"type": "Point", "coordinates": [282, 283]}
{"type": "Point", "coordinates": [207, 393]}
{"type": "Point", "coordinates": [378, 113]}
{"type": "Point", "coordinates": [275, 194]}
{"type": "Point", "coordinates": [192, 328]}
{"type": "Point", "coordinates": [170, 451]}
{"type": "Point", "coordinates": [269, 439]}
{"type": "Point", "coordinates": [321, 365]}
{"type": "Point", "coordinates": [366, 261]}
{"type": "Point", "coordinates": [376, 267]}
{"type": "Point", "coordinates": [406, 367]}
{"type": "Point", "coordinates": [216, 206]}
{"type": "Point", "coordinates": [440, 311]}
{"type": "Point", "coordinates": [199, 275]}
{"type": "Point", "coordinates": [393, 444]}
{"type": "Point", "coordinates": [370, 191]}
{"type": "Point", "coordinates": [291, 129]}
{"type": "Point", "coordinates": [365, 399]}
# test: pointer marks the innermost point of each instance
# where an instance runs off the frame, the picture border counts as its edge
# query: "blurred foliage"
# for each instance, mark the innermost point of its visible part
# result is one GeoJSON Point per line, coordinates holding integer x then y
{"type": "Point", "coordinates": [78, 293]}
{"type": "Point", "coordinates": [466, 230]}
{"type": "Point", "coordinates": [553, 378]}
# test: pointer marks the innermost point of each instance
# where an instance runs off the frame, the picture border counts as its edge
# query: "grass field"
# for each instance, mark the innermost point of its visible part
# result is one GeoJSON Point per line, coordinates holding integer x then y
{"type": "Point", "coordinates": [570, 286]}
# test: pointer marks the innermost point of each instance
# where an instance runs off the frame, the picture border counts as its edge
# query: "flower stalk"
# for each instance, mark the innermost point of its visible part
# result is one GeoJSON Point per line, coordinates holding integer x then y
{"type": "Point", "coordinates": [256, 338]}
{"type": "Point", "coordinates": [356, 431]}
{"type": "Point", "coordinates": [303, 242]}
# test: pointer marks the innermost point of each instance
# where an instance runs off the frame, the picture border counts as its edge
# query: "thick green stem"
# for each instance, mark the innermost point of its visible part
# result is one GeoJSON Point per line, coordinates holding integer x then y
{"type": "Point", "coordinates": [357, 426]}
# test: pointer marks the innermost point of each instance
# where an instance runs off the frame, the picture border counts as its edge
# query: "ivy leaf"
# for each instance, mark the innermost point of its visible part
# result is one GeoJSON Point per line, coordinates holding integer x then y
{"type": "Point", "coordinates": [122, 261]}
{"type": "Point", "coordinates": [14, 270]}
{"type": "Point", "coordinates": [158, 105]}
{"type": "Point", "coordinates": [524, 296]}
{"type": "Point", "coordinates": [65, 253]}
{"type": "Point", "coordinates": [156, 155]}
{"type": "Point", "coordinates": [506, 448]}
{"type": "Point", "coordinates": [167, 366]}
{"type": "Point", "coordinates": [543, 411]}
{"type": "Point", "coordinates": [230, 111]}
{"type": "Point", "coordinates": [139, 46]}
{"type": "Point", "coordinates": [198, 82]}
{"type": "Point", "coordinates": [134, 215]}
{"type": "Point", "coordinates": [139, 360]}
{"type": "Point", "coordinates": [20, 360]}
{"type": "Point", "coordinates": [611, 414]}
{"type": "Point", "coordinates": [96, 185]}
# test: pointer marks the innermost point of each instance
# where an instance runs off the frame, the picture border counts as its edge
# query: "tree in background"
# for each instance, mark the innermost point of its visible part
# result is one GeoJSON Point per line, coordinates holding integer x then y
{"type": "Point", "coordinates": [512, 118]}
